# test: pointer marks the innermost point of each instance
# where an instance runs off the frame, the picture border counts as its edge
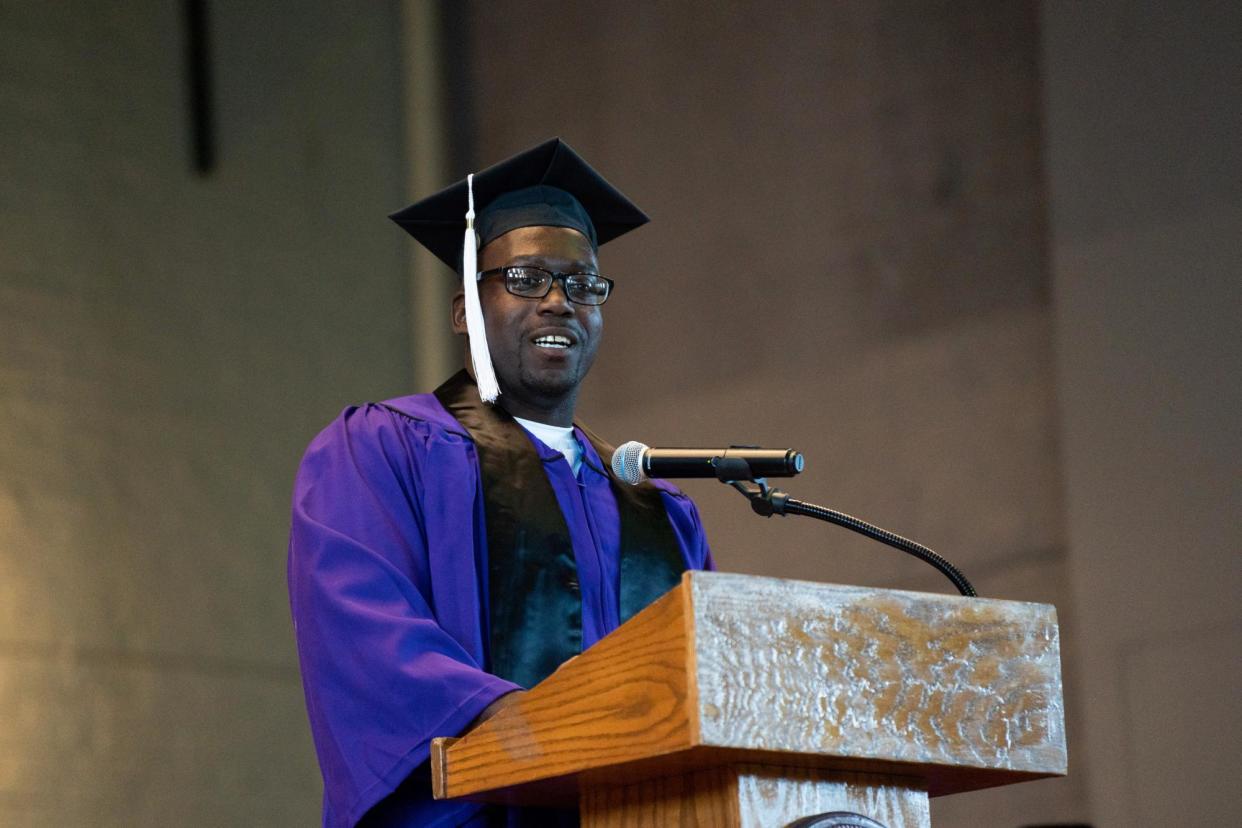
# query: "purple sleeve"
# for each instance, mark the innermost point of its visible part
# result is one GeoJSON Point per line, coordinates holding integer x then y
{"type": "Point", "coordinates": [382, 676]}
{"type": "Point", "coordinates": [684, 516]}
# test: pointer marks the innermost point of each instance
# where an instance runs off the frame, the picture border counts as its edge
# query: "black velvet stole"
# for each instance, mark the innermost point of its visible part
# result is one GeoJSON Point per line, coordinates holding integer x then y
{"type": "Point", "coordinates": [535, 617]}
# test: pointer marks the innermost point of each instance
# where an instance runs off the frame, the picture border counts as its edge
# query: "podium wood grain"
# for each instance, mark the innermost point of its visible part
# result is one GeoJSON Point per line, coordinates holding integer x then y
{"type": "Point", "coordinates": [583, 716]}
{"type": "Point", "coordinates": [935, 692]}
{"type": "Point", "coordinates": [754, 796]}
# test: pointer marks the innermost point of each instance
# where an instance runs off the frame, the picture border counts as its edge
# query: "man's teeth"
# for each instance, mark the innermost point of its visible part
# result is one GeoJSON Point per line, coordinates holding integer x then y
{"type": "Point", "coordinates": [552, 341]}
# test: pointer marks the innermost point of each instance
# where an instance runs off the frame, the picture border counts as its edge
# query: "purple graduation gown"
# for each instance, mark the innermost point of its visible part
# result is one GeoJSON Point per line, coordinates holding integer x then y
{"type": "Point", "coordinates": [387, 569]}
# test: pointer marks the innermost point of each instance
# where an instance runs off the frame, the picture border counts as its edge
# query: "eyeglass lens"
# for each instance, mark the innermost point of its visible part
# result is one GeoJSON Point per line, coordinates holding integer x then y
{"type": "Point", "coordinates": [535, 283]}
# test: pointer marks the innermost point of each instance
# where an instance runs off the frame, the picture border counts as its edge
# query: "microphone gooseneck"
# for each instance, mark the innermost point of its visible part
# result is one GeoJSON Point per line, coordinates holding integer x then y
{"type": "Point", "coordinates": [918, 550]}
{"type": "Point", "coordinates": [744, 468]}
{"type": "Point", "coordinates": [767, 501]}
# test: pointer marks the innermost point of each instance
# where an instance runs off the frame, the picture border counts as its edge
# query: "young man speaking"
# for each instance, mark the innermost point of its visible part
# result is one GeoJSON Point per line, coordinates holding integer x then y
{"type": "Point", "coordinates": [450, 549]}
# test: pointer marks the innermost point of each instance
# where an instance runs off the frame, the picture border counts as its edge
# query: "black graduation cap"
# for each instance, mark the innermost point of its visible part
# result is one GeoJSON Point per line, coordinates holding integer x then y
{"type": "Point", "coordinates": [546, 185]}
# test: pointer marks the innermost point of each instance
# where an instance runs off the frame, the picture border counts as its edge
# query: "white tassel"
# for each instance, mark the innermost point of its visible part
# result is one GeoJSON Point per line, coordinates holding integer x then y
{"type": "Point", "coordinates": [480, 355]}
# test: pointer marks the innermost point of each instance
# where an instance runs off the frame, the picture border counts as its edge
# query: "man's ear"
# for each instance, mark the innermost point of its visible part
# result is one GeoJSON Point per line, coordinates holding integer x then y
{"type": "Point", "coordinates": [459, 312]}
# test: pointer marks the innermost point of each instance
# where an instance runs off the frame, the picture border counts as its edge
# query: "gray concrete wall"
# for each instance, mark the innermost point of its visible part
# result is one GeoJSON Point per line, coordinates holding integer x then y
{"type": "Point", "coordinates": [848, 256]}
{"type": "Point", "coordinates": [1146, 182]}
{"type": "Point", "coordinates": [168, 345]}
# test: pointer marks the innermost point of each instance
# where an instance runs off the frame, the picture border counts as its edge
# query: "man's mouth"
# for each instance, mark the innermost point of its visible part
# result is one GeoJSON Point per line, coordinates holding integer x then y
{"type": "Point", "coordinates": [553, 342]}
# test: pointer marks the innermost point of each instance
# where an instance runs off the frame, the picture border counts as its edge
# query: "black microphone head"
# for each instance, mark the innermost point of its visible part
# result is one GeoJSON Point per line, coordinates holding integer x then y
{"type": "Point", "coordinates": [627, 462]}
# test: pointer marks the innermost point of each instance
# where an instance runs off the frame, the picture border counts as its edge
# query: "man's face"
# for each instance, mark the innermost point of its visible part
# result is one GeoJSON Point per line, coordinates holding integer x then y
{"type": "Point", "coordinates": [532, 373]}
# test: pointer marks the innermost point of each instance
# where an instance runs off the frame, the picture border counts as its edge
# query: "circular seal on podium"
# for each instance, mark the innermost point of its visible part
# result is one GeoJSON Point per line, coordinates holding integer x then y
{"type": "Point", "coordinates": [836, 819]}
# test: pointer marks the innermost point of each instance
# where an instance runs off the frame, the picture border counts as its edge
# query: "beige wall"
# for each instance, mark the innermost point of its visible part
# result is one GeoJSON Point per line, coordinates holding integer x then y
{"type": "Point", "coordinates": [848, 256]}
{"type": "Point", "coordinates": [1146, 183]}
{"type": "Point", "coordinates": [168, 346]}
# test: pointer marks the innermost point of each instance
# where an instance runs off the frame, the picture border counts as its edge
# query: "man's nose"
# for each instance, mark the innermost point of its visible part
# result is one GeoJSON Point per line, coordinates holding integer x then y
{"type": "Point", "coordinates": [557, 299]}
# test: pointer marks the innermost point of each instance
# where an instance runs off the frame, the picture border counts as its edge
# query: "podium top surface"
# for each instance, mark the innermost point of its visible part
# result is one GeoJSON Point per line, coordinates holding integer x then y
{"type": "Point", "coordinates": [960, 693]}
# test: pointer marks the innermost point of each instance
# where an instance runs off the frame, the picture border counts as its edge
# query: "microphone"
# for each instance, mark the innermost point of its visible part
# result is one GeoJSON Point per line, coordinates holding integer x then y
{"type": "Point", "coordinates": [633, 462]}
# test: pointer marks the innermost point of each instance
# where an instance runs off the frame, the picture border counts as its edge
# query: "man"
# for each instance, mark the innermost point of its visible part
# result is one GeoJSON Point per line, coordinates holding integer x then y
{"type": "Point", "coordinates": [447, 552]}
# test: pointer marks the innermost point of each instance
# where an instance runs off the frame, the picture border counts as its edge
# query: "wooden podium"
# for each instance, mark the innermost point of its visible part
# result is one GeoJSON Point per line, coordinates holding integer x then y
{"type": "Point", "coordinates": [743, 701]}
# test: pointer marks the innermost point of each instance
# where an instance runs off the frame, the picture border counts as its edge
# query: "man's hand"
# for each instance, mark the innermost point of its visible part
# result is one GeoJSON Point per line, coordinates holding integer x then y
{"type": "Point", "coordinates": [492, 709]}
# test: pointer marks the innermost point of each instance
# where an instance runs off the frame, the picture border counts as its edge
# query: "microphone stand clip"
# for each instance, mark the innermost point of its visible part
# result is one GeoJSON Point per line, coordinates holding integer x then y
{"type": "Point", "coordinates": [765, 500]}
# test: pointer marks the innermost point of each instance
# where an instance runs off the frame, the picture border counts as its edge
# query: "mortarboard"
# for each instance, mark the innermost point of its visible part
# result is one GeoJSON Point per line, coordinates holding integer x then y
{"type": "Point", "coordinates": [546, 185]}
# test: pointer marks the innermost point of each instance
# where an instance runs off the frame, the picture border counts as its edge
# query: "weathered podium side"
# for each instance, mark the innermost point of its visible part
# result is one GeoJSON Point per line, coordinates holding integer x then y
{"type": "Point", "coordinates": [743, 701]}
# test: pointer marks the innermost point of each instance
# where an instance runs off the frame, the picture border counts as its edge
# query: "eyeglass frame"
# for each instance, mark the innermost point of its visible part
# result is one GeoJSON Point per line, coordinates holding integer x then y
{"type": "Point", "coordinates": [561, 277]}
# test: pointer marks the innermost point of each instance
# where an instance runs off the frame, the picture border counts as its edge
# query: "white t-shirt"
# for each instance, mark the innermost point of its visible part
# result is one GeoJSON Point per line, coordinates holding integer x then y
{"type": "Point", "coordinates": [560, 438]}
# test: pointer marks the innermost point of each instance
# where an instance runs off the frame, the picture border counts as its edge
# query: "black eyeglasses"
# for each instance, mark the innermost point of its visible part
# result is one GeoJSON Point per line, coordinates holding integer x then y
{"type": "Point", "coordinates": [531, 282]}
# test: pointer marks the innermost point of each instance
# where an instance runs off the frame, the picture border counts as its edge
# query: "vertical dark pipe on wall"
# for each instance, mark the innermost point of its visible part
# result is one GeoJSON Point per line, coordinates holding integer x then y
{"type": "Point", "coordinates": [198, 83]}
{"type": "Point", "coordinates": [459, 83]}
